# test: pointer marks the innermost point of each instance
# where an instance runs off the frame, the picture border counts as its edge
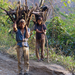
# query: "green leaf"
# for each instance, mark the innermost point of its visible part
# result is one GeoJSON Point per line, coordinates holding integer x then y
{"type": "Point", "coordinates": [65, 4]}
{"type": "Point", "coordinates": [69, 1]}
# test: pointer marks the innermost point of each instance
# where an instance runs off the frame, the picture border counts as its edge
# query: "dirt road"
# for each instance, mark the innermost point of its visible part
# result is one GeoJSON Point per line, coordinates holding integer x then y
{"type": "Point", "coordinates": [8, 66]}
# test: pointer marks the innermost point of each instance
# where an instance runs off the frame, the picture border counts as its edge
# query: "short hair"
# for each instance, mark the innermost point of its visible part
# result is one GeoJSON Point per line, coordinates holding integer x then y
{"type": "Point", "coordinates": [21, 21]}
{"type": "Point", "coordinates": [39, 18]}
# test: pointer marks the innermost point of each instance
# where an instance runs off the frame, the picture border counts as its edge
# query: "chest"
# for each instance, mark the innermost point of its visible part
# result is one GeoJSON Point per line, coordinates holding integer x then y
{"type": "Point", "coordinates": [22, 32]}
{"type": "Point", "coordinates": [39, 27]}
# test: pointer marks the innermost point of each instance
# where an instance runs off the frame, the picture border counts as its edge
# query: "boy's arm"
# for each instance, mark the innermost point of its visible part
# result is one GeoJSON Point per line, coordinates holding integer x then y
{"type": "Point", "coordinates": [39, 31]}
{"type": "Point", "coordinates": [36, 29]}
{"type": "Point", "coordinates": [27, 32]}
{"type": "Point", "coordinates": [44, 32]}
{"type": "Point", "coordinates": [44, 29]}
{"type": "Point", "coordinates": [15, 27]}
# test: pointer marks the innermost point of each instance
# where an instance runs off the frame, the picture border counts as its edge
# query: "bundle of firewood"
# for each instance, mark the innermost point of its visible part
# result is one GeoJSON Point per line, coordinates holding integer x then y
{"type": "Point", "coordinates": [23, 12]}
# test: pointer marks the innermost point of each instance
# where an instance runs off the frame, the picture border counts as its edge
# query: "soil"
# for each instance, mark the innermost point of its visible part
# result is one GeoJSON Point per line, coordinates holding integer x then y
{"type": "Point", "coordinates": [8, 66]}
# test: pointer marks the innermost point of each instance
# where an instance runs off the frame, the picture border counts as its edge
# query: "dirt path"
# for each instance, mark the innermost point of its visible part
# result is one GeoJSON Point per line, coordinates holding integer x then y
{"type": "Point", "coordinates": [8, 66]}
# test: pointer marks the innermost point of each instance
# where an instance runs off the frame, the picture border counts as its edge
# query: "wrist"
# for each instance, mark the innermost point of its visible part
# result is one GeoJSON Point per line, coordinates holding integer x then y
{"type": "Point", "coordinates": [42, 31]}
{"type": "Point", "coordinates": [15, 29]}
{"type": "Point", "coordinates": [26, 29]}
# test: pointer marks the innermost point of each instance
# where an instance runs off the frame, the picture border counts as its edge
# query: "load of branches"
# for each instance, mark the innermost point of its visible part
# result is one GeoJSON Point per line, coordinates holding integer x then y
{"type": "Point", "coordinates": [23, 12]}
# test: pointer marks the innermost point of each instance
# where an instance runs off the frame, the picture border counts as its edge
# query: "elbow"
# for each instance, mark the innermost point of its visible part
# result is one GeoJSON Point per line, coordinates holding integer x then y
{"type": "Point", "coordinates": [28, 36]}
{"type": "Point", "coordinates": [15, 29]}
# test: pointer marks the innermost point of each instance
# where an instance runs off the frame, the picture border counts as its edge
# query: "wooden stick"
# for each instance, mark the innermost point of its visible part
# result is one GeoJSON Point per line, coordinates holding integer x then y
{"type": "Point", "coordinates": [47, 50]}
{"type": "Point", "coordinates": [20, 1]}
{"type": "Point", "coordinates": [7, 14]}
{"type": "Point", "coordinates": [26, 2]}
{"type": "Point", "coordinates": [41, 3]}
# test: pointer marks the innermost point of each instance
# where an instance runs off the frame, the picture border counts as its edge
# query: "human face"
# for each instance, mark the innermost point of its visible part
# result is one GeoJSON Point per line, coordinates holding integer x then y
{"type": "Point", "coordinates": [39, 22]}
{"type": "Point", "coordinates": [22, 25]}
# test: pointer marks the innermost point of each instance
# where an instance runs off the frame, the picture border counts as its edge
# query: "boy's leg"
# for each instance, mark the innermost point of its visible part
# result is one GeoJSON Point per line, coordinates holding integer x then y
{"type": "Point", "coordinates": [37, 49]}
{"type": "Point", "coordinates": [26, 59]}
{"type": "Point", "coordinates": [42, 48]}
{"type": "Point", "coordinates": [19, 56]}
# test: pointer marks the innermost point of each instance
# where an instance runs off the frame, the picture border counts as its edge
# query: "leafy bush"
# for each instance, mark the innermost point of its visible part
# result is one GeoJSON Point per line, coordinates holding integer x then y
{"type": "Point", "coordinates": [59, 37]}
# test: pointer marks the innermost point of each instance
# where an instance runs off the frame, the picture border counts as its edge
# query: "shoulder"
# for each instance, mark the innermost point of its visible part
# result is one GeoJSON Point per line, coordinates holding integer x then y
{"type": "Point", "coordinates": [18, 30]}
{"type": "Point", "coordinates": [28, 29]}
{"type": "Point", "coordinates": [44, 25]}
{"type": "Point", "coordinates": [36, 25]}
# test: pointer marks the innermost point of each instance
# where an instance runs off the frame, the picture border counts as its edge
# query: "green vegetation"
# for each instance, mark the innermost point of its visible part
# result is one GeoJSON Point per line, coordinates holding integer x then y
{"type": "Point", "coordinates": [6, 39]}
{"type": "Point", "coordinates": [60, 36]}
{"type": "Point", "coordinates": [67, 61]}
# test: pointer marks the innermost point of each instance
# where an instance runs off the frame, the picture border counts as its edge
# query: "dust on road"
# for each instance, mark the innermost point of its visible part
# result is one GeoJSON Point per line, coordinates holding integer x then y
{"type": "Point", "coordinates": [8, 66]}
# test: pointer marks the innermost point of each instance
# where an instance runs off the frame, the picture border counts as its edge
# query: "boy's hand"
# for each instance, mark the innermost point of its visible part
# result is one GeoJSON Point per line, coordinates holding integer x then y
{"type": "Point", "coordinates": [44, 31]}
{"type": "Point", "coordinates": [15, 26]}
{"type": "Point", "coordinates": [26, 27]}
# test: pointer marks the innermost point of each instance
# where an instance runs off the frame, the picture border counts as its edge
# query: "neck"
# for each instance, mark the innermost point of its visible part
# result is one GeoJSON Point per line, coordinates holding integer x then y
{"type": "Point", "coordinates": [22, 28]}
{"type": "Point", "coordinates": [39, 24]}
